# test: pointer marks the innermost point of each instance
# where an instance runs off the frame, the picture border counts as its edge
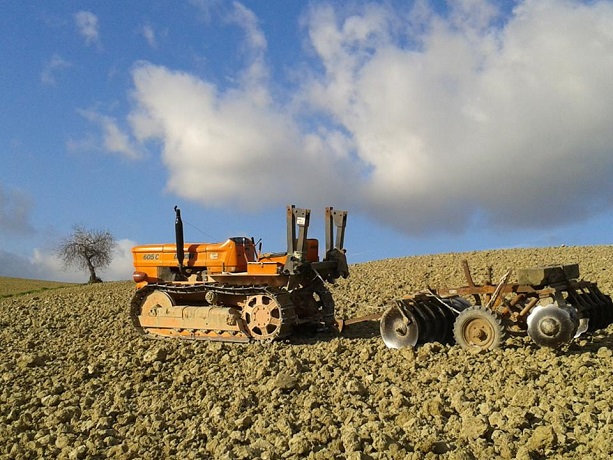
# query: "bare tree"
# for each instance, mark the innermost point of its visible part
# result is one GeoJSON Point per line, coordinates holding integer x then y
{"type": "Point", "coordinates": [87, 249]}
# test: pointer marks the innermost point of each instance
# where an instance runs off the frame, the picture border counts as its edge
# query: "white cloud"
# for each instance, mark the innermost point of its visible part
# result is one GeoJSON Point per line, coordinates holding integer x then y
{"type": "Point", "coordinates": [255, 42]}
{"type": "Point", "coordinates": [114, 139]}
{"type": "Point", "coordinates": [43, 264]}
{"type": "Point", "coordinates": [122, 265]}
{"type": "Point", "coordinates": [472, 15]}
{"type": "Point", "coordinates": [248, 21]}
{"type": "Point", "coordinates": [233, 145]}
{"type": "Point", "coordinates": [87, 24]}
{"type": "Point", "coordinates": [51, 267]}
{"type": "Point", "coordinates": [55, 64]}
{"type": "Point", "coordinates": [508, 125]}
{"type": "Point", "coordinates": [15, 211]}
{"type": "Point", "coordinates": [419, 120]}
{"type": "Point", "coordinates": [229, 147]}
{"type": "Point", "coordinates": [17, 266]}
{"type": "Point", "coordinates": [149, 35]}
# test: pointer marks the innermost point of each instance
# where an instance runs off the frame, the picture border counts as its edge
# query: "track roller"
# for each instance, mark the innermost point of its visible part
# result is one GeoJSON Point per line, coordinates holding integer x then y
{"type": "Point", "coordinates": [477, 328]}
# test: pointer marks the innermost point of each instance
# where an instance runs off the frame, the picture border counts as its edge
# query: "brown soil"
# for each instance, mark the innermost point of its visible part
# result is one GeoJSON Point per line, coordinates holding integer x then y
{"type": "Point", "coordinates": [78, 382]}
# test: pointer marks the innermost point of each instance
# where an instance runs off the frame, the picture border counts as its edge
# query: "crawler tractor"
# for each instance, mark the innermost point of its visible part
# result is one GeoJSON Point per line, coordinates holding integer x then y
{"type": "Point", "coordinates": [230, 291]}
{"type": "Point", "coordinates": [550, 304]}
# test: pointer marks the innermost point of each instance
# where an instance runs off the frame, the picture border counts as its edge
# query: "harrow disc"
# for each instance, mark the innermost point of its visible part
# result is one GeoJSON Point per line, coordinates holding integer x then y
{"type": "Point", "coordinates": [438, 320]}
{"type": "Point", "coordinates": [583, 325]}
{"type": "Point", "coordinates": [551, 326]}
{"type": "Point", "coordinates": [594, 312]}
{"type": "Point", "coordinates": [417, 320]}
{"type": "Point", "coordinates": [398, 328]}
{"type": "Point", "coordinates": [607, 308]}
{"type": "Point", "coordinates": [478, 329]}
{"type": "Point", "coordinates": [600, 313]}
{"type": "Point", "coordinates": [593, 306]}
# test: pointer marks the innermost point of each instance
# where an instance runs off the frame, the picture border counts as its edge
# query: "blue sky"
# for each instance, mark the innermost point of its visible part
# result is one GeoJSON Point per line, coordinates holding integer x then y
{"type": "Point", "coordinates": [440, 127]}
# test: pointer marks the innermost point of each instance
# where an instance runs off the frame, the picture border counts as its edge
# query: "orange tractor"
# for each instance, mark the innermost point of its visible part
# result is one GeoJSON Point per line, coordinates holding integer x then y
{"type": "Point", "coordinates": [231, 291]}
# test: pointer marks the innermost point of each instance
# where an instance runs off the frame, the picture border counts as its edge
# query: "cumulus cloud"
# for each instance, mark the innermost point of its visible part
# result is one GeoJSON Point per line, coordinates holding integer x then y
{"type": "Point", "coordinates": [421, 120]}
{"type": "Point", "coordinates": [15, 211]}
{"type": "Point", "coordinates": [87, 25]}
{"type": "Point", "coordinates": [474, 122]}
{"type": "Point", "coordinates": [231, 145]}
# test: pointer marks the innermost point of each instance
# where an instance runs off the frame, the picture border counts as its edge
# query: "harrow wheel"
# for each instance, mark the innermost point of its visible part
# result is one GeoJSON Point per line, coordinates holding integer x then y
{"type": "Point", "coordinates": [262, 316]}
{"type": "Point", "coordinates": [478, 329]}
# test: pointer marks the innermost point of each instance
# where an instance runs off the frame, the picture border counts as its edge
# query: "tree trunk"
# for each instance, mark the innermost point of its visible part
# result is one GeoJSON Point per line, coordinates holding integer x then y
{"type": "Point", "coordinates": [92, 273]}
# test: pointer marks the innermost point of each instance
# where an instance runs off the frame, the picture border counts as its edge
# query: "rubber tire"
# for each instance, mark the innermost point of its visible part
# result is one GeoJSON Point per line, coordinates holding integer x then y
{"type": "Point", "coordinates": [495, 332]}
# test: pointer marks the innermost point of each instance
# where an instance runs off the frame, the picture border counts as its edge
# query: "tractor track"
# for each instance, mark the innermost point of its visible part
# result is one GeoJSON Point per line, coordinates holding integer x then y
{"type": "Point", "coordinates": [241, 293]}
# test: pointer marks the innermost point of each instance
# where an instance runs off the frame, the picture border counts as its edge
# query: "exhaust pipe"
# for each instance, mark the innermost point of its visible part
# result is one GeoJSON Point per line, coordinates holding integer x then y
{"type": "Point", "coordinates": [179, 240]}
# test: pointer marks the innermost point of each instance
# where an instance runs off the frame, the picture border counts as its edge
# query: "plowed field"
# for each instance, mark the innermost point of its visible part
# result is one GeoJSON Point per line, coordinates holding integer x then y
{"type": "Point", "coordinates": [78, 382]}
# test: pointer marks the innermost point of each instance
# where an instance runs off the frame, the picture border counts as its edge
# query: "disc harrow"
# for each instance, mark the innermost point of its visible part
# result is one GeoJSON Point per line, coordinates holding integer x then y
{"type": "Point", "coordinates": [549, 304]}
{"type": "Point", "coordinates": [420, 318]}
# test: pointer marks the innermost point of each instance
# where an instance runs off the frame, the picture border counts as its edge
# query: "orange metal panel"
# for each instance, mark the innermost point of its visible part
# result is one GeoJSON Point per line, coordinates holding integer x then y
{"type": "Point", "coordinates": [215, 257]}
{"type": "Point", "coordinates": [264, 268]}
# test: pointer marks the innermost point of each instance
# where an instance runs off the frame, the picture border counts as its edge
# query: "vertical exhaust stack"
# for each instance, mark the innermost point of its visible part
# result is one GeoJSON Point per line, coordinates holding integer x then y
{"type": "Point", "coordinates": [179, 240]}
